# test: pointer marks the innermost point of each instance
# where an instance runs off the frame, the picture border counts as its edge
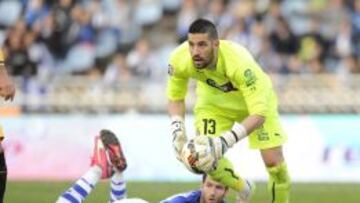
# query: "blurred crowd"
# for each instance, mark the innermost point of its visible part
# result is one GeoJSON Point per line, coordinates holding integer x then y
{"type": "Point", "coordinates": [117, 40]}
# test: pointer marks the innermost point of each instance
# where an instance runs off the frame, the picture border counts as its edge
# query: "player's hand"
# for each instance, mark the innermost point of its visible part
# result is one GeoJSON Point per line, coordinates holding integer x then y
{"type": "Point", "coordinates": [7, 88]}
{"type": "Point", "coordinates": [178, 134]}
{"type": "Point", "coordinates": [216, 148]}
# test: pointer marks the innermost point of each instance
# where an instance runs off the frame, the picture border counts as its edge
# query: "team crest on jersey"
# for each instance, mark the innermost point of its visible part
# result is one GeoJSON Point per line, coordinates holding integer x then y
{"type": "Point", "coordinates": [170, 70]}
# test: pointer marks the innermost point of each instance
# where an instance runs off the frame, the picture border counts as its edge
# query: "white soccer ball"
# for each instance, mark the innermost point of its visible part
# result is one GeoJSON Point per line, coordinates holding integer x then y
{"type": "Point", "coordinates": [190, 155]}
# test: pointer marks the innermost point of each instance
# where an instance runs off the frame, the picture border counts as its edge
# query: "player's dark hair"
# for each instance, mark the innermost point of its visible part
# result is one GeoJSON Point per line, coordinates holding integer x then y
{"type": "Point", "coordinates": [204, 176]}
{"type": "Point", "coordinates": [204, 26]}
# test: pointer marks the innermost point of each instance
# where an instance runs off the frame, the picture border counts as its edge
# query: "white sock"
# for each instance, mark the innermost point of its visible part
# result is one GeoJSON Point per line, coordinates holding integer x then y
{"type": "Point", "coordinates": [118, 187]}
{"type": "Point", "coordinates": [82, 187]}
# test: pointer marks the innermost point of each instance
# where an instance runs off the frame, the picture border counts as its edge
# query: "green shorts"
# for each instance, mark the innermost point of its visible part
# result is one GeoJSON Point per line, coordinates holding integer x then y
{"type": "Point", "coordinates": [270, 135]}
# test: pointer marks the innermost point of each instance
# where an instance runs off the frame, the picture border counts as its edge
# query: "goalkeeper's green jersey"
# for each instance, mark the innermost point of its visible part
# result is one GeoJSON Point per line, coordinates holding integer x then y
{"type": "Point", "coordinates": [237, 87]}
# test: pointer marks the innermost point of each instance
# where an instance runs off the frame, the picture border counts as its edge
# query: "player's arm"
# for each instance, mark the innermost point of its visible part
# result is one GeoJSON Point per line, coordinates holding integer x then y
{"type": "Point", "coordinates": [177, 112]}
{"type": "Point", "coordinates": [253, 122]}
{"type": "Point", "coordinates": [7, 88]}
{"type": "Point", "coordinates": [176, 92]}
{"type": "Point", "coordinates": [255, 87]}
{"type": "Point", "coordinates": [176, 108]}
{"type": "Point", "coordinates": [243, 129]}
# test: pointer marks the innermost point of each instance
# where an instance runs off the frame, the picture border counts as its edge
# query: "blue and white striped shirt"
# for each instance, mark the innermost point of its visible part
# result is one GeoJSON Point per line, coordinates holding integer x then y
{"type": "Point", "coordinates": [189, 197]}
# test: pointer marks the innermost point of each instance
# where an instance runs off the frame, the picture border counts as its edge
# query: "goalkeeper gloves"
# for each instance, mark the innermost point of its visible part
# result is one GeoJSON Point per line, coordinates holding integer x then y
{"type": "Point", "coordinates": [230, 137]}
{"type": "Point", "coordinates": [218, 146]}
{"type": "Point", "coordinates": [178, 134]}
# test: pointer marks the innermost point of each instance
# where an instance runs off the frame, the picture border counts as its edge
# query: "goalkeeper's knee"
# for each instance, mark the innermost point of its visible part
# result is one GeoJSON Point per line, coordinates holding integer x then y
{"type": "Point", "coordinates": [3, 175]}
{"type": "Point", "coordinates": [279, 183]}
{"type": "Point", "coordinates": [225, 174]}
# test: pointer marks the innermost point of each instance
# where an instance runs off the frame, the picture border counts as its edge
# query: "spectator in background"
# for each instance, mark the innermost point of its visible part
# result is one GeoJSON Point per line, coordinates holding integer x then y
{"type": "Point", "coordinates": [142, 62]}
{"type": "Point", "coordinates": [35, 12]}
{"type": "Point", "coordinates": [56, 28]}
{"type": "Point", "coordinates": [115, 26]}
{"type": "Point", "coordinates": [271, 16]}
{"type": "Point", "coordinates": [348, 65]}
{"type": "Point", "coordinates": [202, 7]}
{"type": "Point", "coordinates": [282, 38]}
{"type": "Point", "coordinates": [243, 10]}
{"type": "Point", "coordinates": [355, 22]}
{"type": "Point", "coordinates": [250, 36]}
{"type": "Point", "coordinates": [332, 16]}
{"type": "Point", "coordinates": [187, 14]}
{"type": "Point", "coordinates": [81, 38]}
{"type": "Point", "coordinates": [117, 71]}
{"type": "Point", "coordinates": [108, 26]}
{"type": "Point", "coordinates": [80, 30]}
{"type": "Point", "coordinates": [284, 42]}
{"type": "Point", "coordinates": [129, 31]}
{"type": "Point", "coordinates": [239, 33]}
{"type": "Point", "coordinates": [313, 48]}
{"type": "Point", "coordinates": [343, 40]}
{"type": "Point", "coordinates": [219, 15]}
{"type": "Point", "coordinates": [268, 59]}
{"type": "Point", "coordinates": [40, 55]}
{"type": "Point", "coordinates": [16, 48]}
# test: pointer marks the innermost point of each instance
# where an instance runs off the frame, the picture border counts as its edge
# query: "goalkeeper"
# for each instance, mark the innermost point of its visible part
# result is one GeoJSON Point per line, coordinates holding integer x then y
{"type": "Point", "coordinates": [235, 99]}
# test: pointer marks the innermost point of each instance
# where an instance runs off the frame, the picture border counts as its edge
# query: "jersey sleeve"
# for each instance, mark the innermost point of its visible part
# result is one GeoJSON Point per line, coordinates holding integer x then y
{"type": "Point", "coordinates": [176, 199]}
{"type": "Point", "coordinates": [254, 85]}
{"type": "Point", "coordinates": [177, 81]}
{"type": "Point", "coordinates": [192, 196]}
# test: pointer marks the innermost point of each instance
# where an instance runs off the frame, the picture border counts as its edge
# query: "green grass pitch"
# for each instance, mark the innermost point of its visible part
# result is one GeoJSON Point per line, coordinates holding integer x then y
{"type": "Point", "coordinates": [47, 192]}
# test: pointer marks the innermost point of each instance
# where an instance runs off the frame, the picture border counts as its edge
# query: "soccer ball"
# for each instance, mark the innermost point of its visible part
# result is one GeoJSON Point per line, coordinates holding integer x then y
{"type": "Point", "coordinates": [190, 155]}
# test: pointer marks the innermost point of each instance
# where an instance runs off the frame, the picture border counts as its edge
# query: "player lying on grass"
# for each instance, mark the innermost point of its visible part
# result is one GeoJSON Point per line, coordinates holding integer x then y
{"type": "Point", "coordinates": [108, 161]}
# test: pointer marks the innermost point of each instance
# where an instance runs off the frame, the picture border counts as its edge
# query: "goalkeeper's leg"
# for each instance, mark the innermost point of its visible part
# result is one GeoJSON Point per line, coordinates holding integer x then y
{"type": "Point", "coordinates": [225, 174]}
{"type": "Point", "coordinates": [3, 174]}
{"type": "Point", "coordinates": [279, 179]}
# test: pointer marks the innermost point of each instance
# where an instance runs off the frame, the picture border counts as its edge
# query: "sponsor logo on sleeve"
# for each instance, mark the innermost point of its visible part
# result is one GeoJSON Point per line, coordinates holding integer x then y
{"type": "Point", "coordinates": [250, 77]}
